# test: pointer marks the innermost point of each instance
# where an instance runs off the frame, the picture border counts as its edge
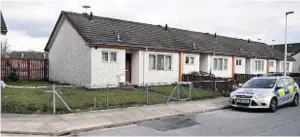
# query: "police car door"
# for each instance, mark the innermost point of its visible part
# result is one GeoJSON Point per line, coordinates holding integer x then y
{"type": "Point", "coordinates": [280, 92]}
{"type": "Point", "coordinates": [288, 90]}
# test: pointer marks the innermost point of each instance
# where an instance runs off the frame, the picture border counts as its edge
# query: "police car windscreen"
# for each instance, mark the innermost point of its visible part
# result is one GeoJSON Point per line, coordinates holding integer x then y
{"type": "Point", "coordinates": [260, 83]}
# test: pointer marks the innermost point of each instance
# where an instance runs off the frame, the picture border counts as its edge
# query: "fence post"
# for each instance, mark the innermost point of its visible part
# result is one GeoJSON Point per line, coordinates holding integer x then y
{"type": "Point", "coordinates": [147, 94]}
{"type": "Point", "coordinates": [178, 91]}
{"type": "Point", "coordinates": [53, 94]}
{"type": "Point", "coordinates": [190, 90]}
{"type": "Point", "coordinates": [215, 84]}
{"type": "Point", "coordinates": [107, 96]}
{"type": "Point", "coordinates": [95, 101]}
{"type": "Point", "coordinates": [28, 69]}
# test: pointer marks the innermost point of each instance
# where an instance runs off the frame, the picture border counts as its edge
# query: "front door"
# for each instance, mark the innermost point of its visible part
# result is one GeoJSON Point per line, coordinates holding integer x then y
{"type": "Point", "coordinates": [128, 68]}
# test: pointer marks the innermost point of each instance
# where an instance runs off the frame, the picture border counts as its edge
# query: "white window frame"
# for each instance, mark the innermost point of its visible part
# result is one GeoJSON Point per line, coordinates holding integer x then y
{"type": "Point", "coordinates": [238, 62]}
{"type": "Point", "coordinates": [287, 66]}
{"type": "Point", "coordinates": [109, 56]}
{"type": "Point", "coordinates": [156, 62]}
{"type": "Point", "coordinates": [271, 63]}
{"type": "Point", "coordinates": [189, 57]}
{"type": "Point", "coordinates": [259, 65]}
{"type": "Point", "coordinates": [220, 64]}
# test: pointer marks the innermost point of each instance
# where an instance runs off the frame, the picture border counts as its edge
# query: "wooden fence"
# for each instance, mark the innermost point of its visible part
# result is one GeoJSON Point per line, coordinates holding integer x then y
{"type": "Point", "coordinates": [210, 82]}
{"type": "Point", "coordinates": [26, 69]}
{"type": "Point", "coordinates": [242, 78]}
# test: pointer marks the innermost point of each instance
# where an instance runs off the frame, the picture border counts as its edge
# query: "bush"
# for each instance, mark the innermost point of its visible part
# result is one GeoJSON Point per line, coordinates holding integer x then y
{"type": "Point", "coordinates": [13, 76]}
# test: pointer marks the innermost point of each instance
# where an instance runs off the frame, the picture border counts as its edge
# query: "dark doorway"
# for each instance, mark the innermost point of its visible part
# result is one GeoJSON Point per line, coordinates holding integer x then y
{"type": "Point", "coordinates": [128, 68]}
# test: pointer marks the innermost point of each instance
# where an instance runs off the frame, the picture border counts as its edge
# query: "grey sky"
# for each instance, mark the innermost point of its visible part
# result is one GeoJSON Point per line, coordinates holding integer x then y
{"type": "Point", "coordinates": [31, 22]}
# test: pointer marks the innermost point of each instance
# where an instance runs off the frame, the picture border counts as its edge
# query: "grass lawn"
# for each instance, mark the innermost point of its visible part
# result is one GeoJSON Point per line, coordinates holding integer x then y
{"type": "Point", "coordinates": [39, 101]}
{"type": "Point", "coordinates": [196, 93]}
{"type": "Point", "coordinates": [29, 83]}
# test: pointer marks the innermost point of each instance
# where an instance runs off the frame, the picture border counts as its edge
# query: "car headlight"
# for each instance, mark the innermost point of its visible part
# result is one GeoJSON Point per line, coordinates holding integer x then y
{"type": "Point", "coordinates": [260, 96]}
{"type": "Point", "coordinates": [232, 95]}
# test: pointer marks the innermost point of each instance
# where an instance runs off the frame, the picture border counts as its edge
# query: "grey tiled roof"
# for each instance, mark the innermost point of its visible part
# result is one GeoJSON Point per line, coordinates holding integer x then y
{"type": "Point", "coordinates": [28, 54]}
{"type": "Point", "coordinates": [291, 47]}
{"type": "Point", "coordinates": [3, 25]}
{"type": "Point", "coordinates": [103, 30]}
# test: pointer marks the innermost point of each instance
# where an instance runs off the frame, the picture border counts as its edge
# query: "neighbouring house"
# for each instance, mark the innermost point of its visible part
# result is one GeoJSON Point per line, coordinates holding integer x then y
{"type": "Point", "coordinates": [93, 51]}
{"type": "Point", "coordinates": [293, 51]}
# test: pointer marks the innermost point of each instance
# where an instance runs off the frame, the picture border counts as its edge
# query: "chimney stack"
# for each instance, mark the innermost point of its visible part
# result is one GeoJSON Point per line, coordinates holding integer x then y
{"type": "Point", "coordinates": [194, 45]}
{"type": "Point", "coordinates": [166, 27]}
{"type": "Point", "coordinates": [91, 16]}
{"type": "Point", "coordinates": [118, 37]}
{"type": "Point", "coordinates": [215, 35]}
{"type": "Point", "coordinates": [248, 40]}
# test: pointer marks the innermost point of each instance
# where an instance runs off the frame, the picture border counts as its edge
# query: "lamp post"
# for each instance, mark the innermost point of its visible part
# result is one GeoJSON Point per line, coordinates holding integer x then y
{"type": "Point", "coordinates": [285, 47]}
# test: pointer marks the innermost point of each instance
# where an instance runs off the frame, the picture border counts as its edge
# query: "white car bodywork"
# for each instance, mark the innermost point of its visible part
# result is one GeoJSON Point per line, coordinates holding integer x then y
{"type": "Point", "coordinates": [261, 97]}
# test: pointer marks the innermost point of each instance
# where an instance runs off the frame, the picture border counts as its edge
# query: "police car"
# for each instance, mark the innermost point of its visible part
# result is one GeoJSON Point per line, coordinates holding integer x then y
{"type": "Point", "coordinates": [266, 92]}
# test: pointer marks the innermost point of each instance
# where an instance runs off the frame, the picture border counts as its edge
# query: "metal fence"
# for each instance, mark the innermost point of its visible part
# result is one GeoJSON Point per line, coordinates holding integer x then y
{"type": "Point", "coordinates": [57, 99]}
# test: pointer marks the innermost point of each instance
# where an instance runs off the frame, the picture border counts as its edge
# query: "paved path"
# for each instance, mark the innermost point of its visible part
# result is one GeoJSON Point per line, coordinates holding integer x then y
{"type": "Point", "coordinates": [285, 122]}
{"type": "Point", "coordinates": [76, 122]}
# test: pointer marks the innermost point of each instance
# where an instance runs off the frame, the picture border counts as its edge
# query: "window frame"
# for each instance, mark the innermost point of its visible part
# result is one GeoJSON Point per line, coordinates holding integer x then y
{"type": "Point", "coordinates": [271, 63]}
{"type": "Point", "coordinates": [188, 59]}
{"type": "Point", "coordinates": [220, 64]}
{"type": "Point", "coordinates": [238, 62]}
{"type": "Point", "coordinates": [165, 68]}
{"type": "Point", "coordinates": [259, 65]}
{"type": "Point", "coordinates": [109, 56]}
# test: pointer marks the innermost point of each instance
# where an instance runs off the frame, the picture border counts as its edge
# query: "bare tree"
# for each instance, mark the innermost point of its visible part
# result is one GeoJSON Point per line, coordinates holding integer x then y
{"type": "Point", "coordinates": [5, 48]}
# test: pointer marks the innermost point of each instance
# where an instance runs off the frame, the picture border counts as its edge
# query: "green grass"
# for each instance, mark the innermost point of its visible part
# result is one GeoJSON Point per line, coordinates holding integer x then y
{"type": "Point", "coordinates": [29, 83]}
{"type": "Point", "coordinates": [27, 101]}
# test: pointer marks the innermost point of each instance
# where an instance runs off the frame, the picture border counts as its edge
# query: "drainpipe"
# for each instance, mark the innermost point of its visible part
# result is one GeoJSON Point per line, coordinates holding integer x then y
{"type": "Point", "coordinates": [144, 66]}
{"type": "Point", "coordinates": [211, 63]}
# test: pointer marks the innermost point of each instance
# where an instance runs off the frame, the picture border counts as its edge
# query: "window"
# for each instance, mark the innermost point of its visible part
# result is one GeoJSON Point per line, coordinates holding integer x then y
{"type": "Point", "coordinates": [113, 56]}
{"type": "Point", "coordinates": [215, 64]}
{"type": "Point", "coordinates": [220, 64]}
{"type": "Point", "coordinates": [189, 60]}
{"type": "Point", "coordinates": [287, 66]}
{"type": "Point", "coordinates": [280, 83]}
{"type": "Point", "coordinates": [104, 56]}
{"type": "Point", "coordinates": [160, 62]}
{"type": "Point", "coordinates": [238, 62]}
{"type": "Point", "coordinates": [259, 65]}
{"type": "Point", "coordinates": [109, 56]}
{"type": "Point", "coordinates": [152, 62]}
{"type": "Point", "coordinates": [168, 62]}
{"type": "Point", "coordinates": [271, 64]}
{"type": "Point", "coordinates": [260, 83]}
{"type": "Point", "coordinates": [287, 82]}
{"type": "Point", "coordinates": [292, 81]}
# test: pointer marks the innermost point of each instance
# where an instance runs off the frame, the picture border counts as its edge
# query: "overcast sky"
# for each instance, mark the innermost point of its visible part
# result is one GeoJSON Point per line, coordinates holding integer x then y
{"type": "Point", "coordinates": [30, 22]}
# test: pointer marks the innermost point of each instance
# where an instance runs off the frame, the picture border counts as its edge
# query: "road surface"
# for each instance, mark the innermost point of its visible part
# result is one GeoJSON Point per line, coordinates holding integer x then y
{"type": "Point", "coordinates": [228, 122]}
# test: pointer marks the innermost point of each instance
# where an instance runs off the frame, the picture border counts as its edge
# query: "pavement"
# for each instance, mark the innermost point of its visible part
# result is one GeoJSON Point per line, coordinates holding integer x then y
{"type": "Point", "coordinates": [225, 122]}
{"type": "Point", "coordinates": [65, 124]}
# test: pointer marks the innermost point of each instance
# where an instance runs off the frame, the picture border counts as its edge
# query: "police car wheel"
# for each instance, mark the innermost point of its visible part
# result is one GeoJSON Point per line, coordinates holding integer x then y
{"type": "Point", "coordinates": [296, 100]}
{"type": "Point", "coordinates": [273, 105]}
